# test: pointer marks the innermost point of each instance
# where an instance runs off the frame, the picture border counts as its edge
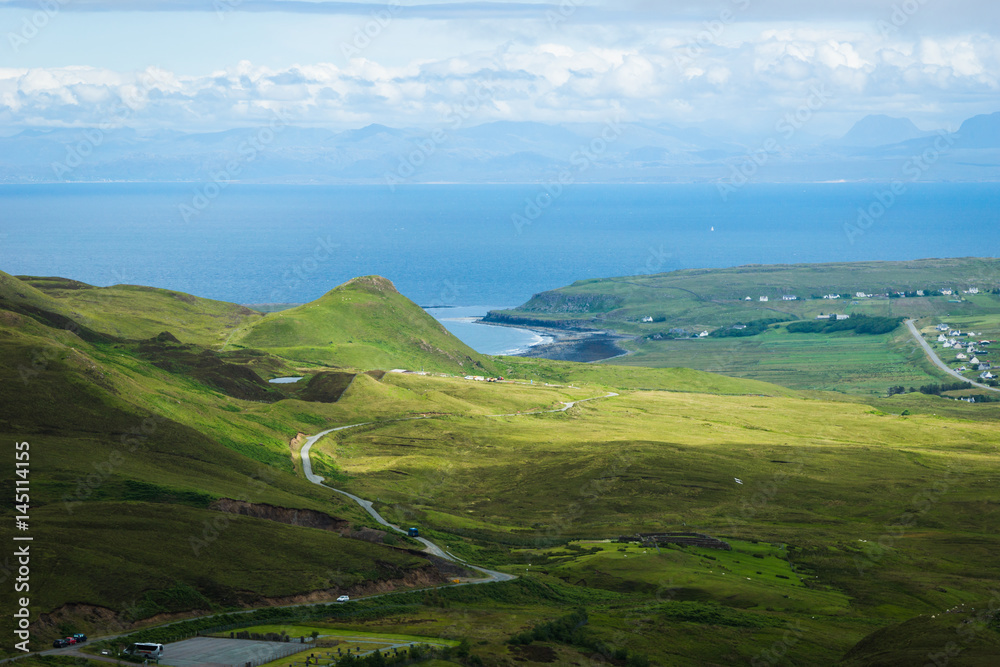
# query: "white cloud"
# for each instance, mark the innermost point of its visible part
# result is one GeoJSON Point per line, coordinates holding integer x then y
{"type": "Point", "coordinates": [656, 74]}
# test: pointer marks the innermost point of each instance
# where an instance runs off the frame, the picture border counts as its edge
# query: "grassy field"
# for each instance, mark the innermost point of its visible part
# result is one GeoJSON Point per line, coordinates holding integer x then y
{"type": "Point", "coordinates": [832, 362]}
{"type": "Point", "coordinates": [832, 481]}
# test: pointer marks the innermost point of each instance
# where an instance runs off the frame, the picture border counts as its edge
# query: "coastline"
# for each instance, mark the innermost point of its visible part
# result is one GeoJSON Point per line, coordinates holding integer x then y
{"type": "Point", "coordinates": [568, 345]}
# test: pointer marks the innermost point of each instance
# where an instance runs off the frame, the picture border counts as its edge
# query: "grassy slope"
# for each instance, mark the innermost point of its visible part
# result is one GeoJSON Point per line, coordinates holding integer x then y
{"type": "Point", "coordinates": [348, 327]}
{"type": "Point", "coordinates": [128, 487]}
{"type": "Point", "coordinates": [623, 377]}
{"type": "Point", "coordinates": [136, 312]}
{"type": "Point", "coordinates": [820, 476]}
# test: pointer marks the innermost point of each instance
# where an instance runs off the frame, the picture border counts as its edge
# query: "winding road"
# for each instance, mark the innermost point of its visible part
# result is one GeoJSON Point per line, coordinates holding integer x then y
{"type": "Point", "coordinates": [429, 547]}
{"type": "Point", "coordinates": [940, 364]}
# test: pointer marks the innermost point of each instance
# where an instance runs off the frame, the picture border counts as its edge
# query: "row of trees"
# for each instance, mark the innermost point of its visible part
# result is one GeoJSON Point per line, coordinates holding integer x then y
{"type": "Point", "coordinates": [938, 389]}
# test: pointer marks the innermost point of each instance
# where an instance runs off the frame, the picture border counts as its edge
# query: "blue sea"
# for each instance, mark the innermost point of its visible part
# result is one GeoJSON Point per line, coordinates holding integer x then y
{"type": "Point", "coordinates": [467, 245]}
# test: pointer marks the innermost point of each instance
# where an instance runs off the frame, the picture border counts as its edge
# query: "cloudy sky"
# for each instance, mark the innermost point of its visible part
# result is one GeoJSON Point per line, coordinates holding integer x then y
{"type": "Point", "coordinates": [736, 64]}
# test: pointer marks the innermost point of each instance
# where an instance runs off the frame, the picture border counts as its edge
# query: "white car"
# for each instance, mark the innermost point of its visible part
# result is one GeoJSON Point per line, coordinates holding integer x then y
{"type": "Point", "coordinates": [343, 598]}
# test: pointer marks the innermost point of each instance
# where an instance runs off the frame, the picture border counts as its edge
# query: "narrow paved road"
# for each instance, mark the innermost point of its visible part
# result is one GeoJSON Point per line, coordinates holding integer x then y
{"type": "Point", "coordinates": [940, 364]}
{"type": "Point", "coordinates": [429, 547]}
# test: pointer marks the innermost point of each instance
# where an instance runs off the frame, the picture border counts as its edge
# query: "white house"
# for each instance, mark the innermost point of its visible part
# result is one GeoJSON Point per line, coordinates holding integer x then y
{"type": "Point", "coordinates": [942, 327]}
{"type": "Point", "coordinates": [831, 296]}
{"type": "Point", "coordinates": [861, 295]}
{"type": "Point", "coordinates": [987, 376]}
{"type": "Point", "coordinates": [763, 298]}
{"type": "Point", "coordinates": [748, 299]}
{"type": "Point", "coordinates": [972, 290]}
{"type": "Point", "coordinates": [961, 357]}
{"type": "Point", "coordinates": [823, 317]}
{"type": "Point", "coordinates": [974, 361]}
{"type": "Point", "coordinates": [947, 292]}
{"type": "Point", "coordinates": [789, 297]}
{"type": "Point", "coordinates": [920, 292]}
{"type": "Point", "coordinates": [703, 334]}
{"type": "Point", "coordinates": [647, 319]}
{"type": "Point", "coordinates": [942, 338]}
{"type": "Point", "coordinates": [843, 317]}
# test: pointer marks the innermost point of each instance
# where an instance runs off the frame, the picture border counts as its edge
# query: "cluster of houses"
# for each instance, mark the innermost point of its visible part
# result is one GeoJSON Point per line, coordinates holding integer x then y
{"type": "Point", "coordinates": [968, 351]}
{"type": "Point", "coordinates": [765, 299]}
{"type": "Point", "coordinates": [833, 316]}
{"type": "Point", "coordinates": [865, 295]}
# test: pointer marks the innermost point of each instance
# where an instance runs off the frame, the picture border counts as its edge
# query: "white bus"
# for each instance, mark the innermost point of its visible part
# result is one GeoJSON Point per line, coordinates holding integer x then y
{"type": "Point", "coordinates": [146, 650]}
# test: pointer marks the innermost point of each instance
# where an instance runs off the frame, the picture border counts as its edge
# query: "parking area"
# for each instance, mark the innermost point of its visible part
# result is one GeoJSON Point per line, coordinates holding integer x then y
{"type": "Point", "coordinates": [216, 651]}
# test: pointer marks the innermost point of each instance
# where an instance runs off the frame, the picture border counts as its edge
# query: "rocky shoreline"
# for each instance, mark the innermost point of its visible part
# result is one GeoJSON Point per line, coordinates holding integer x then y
{"type": "Point", "coordinates": [569, 344]}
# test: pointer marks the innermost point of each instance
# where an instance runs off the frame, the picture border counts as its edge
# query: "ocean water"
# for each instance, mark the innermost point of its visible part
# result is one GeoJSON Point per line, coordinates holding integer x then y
{"type": "Point", "coordinates": [466, 245]}
{"type": "Point", "coordinates": [485, 338]}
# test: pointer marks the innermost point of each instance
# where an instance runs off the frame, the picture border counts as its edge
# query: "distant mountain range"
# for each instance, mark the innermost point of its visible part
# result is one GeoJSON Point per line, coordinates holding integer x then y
{"type": "Point", "coordinates": [877, 148]}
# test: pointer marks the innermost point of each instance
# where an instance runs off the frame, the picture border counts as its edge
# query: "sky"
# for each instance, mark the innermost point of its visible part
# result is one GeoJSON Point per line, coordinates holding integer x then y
{"type": "Point", "coordinates": [728, 66]}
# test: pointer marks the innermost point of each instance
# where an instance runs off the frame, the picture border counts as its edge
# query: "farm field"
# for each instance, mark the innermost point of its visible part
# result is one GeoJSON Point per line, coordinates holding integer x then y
{"type": "Point", "coordinates": [826, 362]}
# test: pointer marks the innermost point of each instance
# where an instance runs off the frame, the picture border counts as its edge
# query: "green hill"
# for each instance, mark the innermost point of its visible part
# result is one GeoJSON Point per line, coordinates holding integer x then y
{"type": "Point", "coordinates": [962, 635]}
{"type": "Point", "coordinates": [137, 312]}
{"type": "Point", "coordinates": [366, 324]}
